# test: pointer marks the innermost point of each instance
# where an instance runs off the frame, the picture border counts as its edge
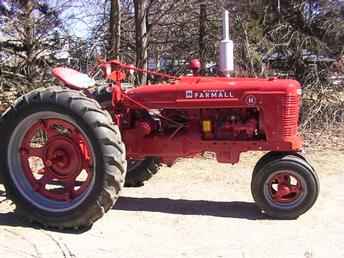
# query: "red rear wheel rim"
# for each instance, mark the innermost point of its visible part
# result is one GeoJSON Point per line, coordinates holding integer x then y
{"type": "Point", "coordinates": [56, 160]}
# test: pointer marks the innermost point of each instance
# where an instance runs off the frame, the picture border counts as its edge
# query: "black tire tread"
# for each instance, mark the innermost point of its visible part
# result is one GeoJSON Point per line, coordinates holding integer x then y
{"type": "Point", "coordinates": [145, 171]}
{"type": "Point", "coordinates": [274, 155]}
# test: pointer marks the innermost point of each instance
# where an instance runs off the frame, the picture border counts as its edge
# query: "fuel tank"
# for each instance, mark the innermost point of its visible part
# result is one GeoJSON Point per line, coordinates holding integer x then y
{"type": "Point", "coordinates": [213, 92]}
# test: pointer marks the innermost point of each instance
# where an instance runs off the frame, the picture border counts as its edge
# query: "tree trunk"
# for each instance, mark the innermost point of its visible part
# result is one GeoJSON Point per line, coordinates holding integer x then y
{"type": "Point", "coordinates": [202, 35]}
{"type": "Point", "coordinates": [28, 39]}
{"type": "Point", "coordinates": [115, 29]}
{"type": "Point", "coordinates": [141, 37]}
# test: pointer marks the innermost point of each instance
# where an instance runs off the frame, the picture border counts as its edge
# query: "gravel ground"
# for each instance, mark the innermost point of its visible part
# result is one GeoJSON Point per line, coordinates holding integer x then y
{"type": "Point", "coordinates": [197, 208]}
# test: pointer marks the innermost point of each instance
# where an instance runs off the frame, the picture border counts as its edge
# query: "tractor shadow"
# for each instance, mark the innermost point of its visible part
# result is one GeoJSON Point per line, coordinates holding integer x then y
{"type": "Point", "coordinates": [8, 218]}
{"type": "Point", "coordinates": [11, 219]}
{"type": "Point", "coordinates": [240, 210]}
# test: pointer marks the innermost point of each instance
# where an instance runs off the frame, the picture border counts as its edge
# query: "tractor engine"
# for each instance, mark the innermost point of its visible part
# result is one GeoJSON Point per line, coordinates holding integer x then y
{"type": "Point", "coordinates": [231, 124]}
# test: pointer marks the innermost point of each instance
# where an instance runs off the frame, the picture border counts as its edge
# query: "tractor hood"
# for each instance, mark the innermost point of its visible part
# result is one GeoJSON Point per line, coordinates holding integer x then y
{"type": "Point", "coordinates": [211, 92]}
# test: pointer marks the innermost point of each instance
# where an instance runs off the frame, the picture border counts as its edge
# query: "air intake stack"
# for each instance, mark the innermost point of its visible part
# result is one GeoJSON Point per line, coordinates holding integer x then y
{"type": "Point", "coordinates": [226, 65]}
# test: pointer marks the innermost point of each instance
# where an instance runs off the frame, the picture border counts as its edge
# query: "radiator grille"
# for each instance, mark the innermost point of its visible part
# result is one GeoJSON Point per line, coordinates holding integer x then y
{"type": "Point", "coordinates": [290, 116]}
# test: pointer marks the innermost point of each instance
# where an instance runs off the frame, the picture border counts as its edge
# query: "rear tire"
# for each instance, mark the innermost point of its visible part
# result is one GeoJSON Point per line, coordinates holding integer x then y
{"type": "Point", "coordinates": [81, 153]}
{"type": "Point", "coordinates": [138, 171]}
{"type": "Point", "coordinates": [285, 187]}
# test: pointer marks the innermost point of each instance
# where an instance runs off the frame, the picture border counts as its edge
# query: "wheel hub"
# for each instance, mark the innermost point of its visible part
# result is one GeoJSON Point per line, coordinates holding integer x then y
{"type": "Point", "coordinates": [63, 158]}
{"type": "Point", "coordinates": [285, 188]}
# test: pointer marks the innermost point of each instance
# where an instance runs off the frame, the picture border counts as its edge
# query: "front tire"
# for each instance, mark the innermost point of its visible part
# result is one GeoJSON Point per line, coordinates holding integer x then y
{"type": "Point", "coordinates": [285, 187]}
{"type": "Point", "coordinates": [64, 160]}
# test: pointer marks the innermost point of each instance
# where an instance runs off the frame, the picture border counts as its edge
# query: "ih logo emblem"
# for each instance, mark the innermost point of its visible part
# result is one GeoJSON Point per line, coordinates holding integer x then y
{"type": "Point", "coordinates": [251, 100]}
{"type": "Point", "coordinates": [188, 94]}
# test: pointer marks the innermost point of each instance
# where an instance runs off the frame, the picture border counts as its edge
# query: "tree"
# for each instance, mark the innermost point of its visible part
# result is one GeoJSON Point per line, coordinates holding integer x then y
{"type": "Point", "coordinates": [202, 34]}
{"type": "Point", "coordinates": [30, 38]}
{"type": "Point", "coordinates": [141, 37]}
{"type": "Point", "coordinates": [115, 29]}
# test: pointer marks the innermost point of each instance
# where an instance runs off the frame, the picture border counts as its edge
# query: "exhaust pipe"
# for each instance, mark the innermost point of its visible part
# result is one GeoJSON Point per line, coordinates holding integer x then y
{"type": "Point", "coordinates": [226, 65]}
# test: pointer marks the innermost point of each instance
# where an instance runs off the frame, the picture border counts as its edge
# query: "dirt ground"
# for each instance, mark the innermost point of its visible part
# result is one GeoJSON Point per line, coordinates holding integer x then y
{"type": "Point", "coordinates": [197, 208]}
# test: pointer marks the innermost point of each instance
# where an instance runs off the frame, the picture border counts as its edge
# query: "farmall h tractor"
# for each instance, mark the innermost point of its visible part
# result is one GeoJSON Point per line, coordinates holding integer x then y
{"type": "Point", "coordinates": [64, 155]}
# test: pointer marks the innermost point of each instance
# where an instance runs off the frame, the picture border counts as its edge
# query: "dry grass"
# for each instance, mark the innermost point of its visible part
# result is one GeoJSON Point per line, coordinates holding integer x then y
{"type": "Point", "coordinates": [325, 139]}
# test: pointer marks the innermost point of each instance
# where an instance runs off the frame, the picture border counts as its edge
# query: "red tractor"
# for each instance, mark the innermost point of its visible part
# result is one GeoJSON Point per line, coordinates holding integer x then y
{"type": "Point", "coordinates": [65, 149]}
{"type": "Point", "coordinates": [65, 155]}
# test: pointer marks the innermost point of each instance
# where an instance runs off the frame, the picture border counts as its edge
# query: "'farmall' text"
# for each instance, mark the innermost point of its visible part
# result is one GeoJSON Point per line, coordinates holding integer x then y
{"type": "Point", "coordinates": [208, 94]}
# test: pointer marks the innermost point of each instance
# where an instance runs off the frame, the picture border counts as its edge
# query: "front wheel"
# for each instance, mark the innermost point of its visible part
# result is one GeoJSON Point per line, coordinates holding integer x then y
{"type": "Point", "coordinates": [64, 161]}
{"type": "Point", "coordinates": [285, 187]}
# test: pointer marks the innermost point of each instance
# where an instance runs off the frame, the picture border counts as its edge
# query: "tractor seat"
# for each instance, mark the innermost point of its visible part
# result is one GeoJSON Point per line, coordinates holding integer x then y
{"type": "Point", "coordinates": [73, 79]}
